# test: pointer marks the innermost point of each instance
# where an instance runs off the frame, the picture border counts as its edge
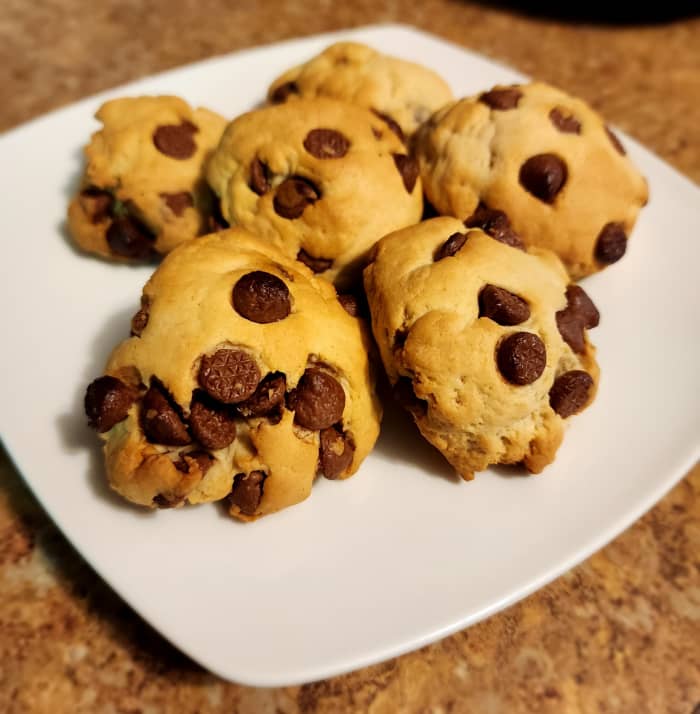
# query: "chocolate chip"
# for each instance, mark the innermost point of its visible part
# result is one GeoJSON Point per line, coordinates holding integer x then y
{"type": "Point", "coordinates": [178, 202]}
{"type": "Point", "coordinates": [293, 195]}
{"type": "Point", "coordinates": [521, 358]}
{"type": "Point", "coordinates": [229, 375]}
{"type": "Point", "coordinates": [176, 140]}
{"type": "Point", "coordinates": [336, 451]}
{"type": "Point", "coordinates": [615, 141]}
{"type": "Point", "coordinates": [160, 418]}
{"type": "Point", "coordinates": [317, 265]}
{"type": "Point", "coordinates": [611, 243]}
{"type": "Point", "coordinates": [107, 402]}
{"type": "Point", "coordinates": [281, 93]}
{"type": "Point", "coordinates": [161, 501]}
{"type": "Point", "coordinates": [326, 144]}
{"type": "Point", "coordinates": [216, 221]}
{"type": "Point", "coordinates": [408, 168]}
{"type": "Point", "coordinates": [318, 401]}
{"type": "Point", "coordinates": [565, 122]}
{"type": "Point", "coordinates": [247, 492]}
{"type": "Point", "coordinates": [259, 177]}
{"type": "Point", "coordinates": [203, 460]}
{"type": "Point", "coordinates": [129, 238]}
{"type": "Point", "coordinates": [267, 398]}
{"type": "Point", "coordinates": [451, 246]}
{"type": "Point", "coordinates": [580, 313]}
{"type": "Point", "coordinates": [502, 99]}
{"type": "Point", "coordinates": [97, 203]}
{"type": "Point", "coordinates": [391, 123]}
{"type": "Point", "coordinates": [350, 304]}
{"type": "Point", "coordinates": [261, 297]}
{"type": "Point", "coordinates": [544, 176]}
{"type": "Point", "coordinates": [502, 306]}
{"type": "Point", "coordinates": [569, 393]}
{"type": "Point", "coordinates": [496, 224]}
{"type": "Point", "coordinates": [212, 423]}
{"type": "Point", "coordinates": [140, 319]}
{"type": "Point", "coordinates": [405, 395]}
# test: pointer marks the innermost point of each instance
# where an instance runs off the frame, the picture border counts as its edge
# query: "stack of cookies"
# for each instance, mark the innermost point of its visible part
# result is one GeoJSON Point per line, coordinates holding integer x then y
{"type": "Point", "coordinates": [251, 368]}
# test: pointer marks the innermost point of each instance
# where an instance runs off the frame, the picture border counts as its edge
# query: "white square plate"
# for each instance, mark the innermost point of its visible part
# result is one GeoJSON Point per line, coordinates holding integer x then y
{"type": "Point", "coordinates": [400, 555]}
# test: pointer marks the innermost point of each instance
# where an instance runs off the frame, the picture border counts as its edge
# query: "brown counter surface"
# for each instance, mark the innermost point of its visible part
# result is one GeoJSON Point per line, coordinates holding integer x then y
{"type": "Point", "coordinates": [619, 633]}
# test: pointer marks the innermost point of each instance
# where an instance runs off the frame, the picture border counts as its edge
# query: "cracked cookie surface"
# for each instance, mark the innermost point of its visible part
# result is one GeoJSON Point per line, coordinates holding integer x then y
{"type": "Point", "coordinates": [243, 379]}
{"type": "Point", "coordinates": [143, 191]}
{"type": "Point", "coordinates": [403, 93]}
{"type": "Point", "coordinates": [484, 343]}
{"type": "Point", "coordinates": [320, 179]}
{"type": "Point", "coordinates": [545, 158]}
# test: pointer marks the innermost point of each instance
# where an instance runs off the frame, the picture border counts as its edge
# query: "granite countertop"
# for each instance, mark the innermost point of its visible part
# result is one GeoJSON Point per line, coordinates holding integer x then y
{"type": "Point", "coordinates": [619, 633]}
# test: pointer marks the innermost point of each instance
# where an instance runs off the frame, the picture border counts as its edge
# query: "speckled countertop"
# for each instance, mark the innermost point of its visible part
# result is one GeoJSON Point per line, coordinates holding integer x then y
{"type": "Point", "coordinates": [620, 633]}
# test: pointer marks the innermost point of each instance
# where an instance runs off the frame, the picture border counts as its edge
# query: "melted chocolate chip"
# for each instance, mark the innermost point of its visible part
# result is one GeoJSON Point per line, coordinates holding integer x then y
{"type": "Point", "coordinates": [229, 375]}
{"type": "Point", "coordinates": [293, 195]}
{"type": "Point", "coordinates": [496, 224]}
{"type": "Point", "coordinates": [317, 265]}
{"type": "Point", "coordinates": [350, 304]}
{"type": "Point", "coordinates": [97, 203]}
{"type": "Point", "coordinates": [336, 451]}
{"type": "Point", "coordinates": [565, 122]}
{"type": "Point", "coordinates": [580, 313]}
{"type": "Point", "coordinates": [326, 144]}
{"type": "Point", "coordinates": [129, 238]}
{"type": "Point", "coordinates": [261, 297]}
{"type": "Point", "coordinates": [178, 202]}
{"type": "Point", "coordinates": [107, 402]}
{"type": "Point", "coordinates": [176, 140]}
{"type": "Point", "coordinates": [569, 393]}
{"type": "Point", "coordinates": [281, 93]}
{"type": "Point", "coordinates": [267, 399]}
{"type": "Point", "coordinates": [318, 401]}
{"type": "Point", "coordinates": [247, 492]}
{"type": "Point", "coordinates": [160, 418]}
{"type": "Point", "coordinates": [259, 177]}
{"type": "Point", "coordinates": [408, 168]}
{"type": "Point", "coordinates": [391, 123]}
{"type": "Point", "coordinates": [212, 423]}
{"type": "Point", "coordinates": [140, 319]}
{"type": "Point", "coordinates": [521, 358]}
{"type": "Point", "coordinates": [451, 246]}
{"type": "Point", "coordinates": [544, 176]}
{"type": "Point", "coordinates": [611, 243]}
{"type": "Point", "coordinates": [502, 306]}
{"type": "Point", "coordinates": [502, 99]}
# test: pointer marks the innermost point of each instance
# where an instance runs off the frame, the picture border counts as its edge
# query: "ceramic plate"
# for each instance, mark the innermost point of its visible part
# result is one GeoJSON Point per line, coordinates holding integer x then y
{"type": "Point", "coordinates": [403, 553]}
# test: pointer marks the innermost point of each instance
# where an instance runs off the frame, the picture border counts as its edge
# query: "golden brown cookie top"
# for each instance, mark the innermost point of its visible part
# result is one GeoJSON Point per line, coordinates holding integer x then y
{"type": "Point", "coordinates": [545, 158]}
{"type": "Point", "coordinates": [404, 93]}
{"type": "Point", "coordinates": [144, 191]}
{"type": "Point", "coordinates": [321, 179]}
{"type": "Point", "coordinates": [478, 332]}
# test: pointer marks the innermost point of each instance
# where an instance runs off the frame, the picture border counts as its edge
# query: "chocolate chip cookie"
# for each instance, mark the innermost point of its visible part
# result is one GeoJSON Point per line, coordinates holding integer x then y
{"type": "Point", "coordinates": [144, 191]}
{"type": "Point", "coordinates": [320, 179]}
{"type": "Point", "coordinates": [546, 159]}
{"type": "Point", "coordinates": [401, 93]}
{"type": "Point", "coordinates": [243, 379]}
{"type": "Point", "coordinates": [484, 343]}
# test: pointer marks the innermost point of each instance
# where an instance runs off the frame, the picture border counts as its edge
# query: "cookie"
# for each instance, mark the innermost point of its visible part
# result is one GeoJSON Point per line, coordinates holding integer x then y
{"type": "Point", "coordinates": [144, 190]}
{"type": "Point", "coordinates": [484, 343]}
{"type": "Point", "coordinates": [546, 159]}
{"type": "Point", "coordinates": [320, 179]}
{"type": "Point", "coordinates": [401, 93]}
{"type": "Point", "coordinates": [243, 379]}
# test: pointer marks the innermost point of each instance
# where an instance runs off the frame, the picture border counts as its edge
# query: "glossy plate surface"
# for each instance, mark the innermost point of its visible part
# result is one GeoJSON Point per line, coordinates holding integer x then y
{"type": "Point", "coordinates": [400, 555]}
